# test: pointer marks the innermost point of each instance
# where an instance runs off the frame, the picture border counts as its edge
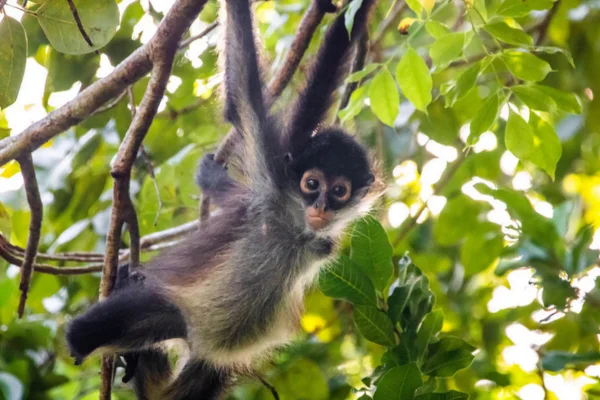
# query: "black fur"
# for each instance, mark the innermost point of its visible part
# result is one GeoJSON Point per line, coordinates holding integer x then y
{"type": "Point", "coordinates": [324, 77]}
{"type": "Point", "coordinates": [199, 381]}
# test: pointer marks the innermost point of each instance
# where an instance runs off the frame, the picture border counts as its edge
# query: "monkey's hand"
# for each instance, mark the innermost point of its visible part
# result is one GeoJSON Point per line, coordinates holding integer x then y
{"type": "Point", "coordinates": [211, 175]}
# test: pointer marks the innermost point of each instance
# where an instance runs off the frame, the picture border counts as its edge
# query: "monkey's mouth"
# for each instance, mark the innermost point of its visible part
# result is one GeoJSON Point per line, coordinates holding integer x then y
{"type": "Point", "coordinates": [318, 219]}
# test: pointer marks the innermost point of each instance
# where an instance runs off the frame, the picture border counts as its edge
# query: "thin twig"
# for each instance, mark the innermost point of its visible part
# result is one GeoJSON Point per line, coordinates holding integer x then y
{"type": "Point", "coordinates": [35, 227]}
{"type": "Point", "coordinates": [87, 39]}
{"type": "Point", "coordinates": [50, 269]}
{"type": "Point", "coordinates": [542, 28]}
{"type": "Point", "coordinates": [2, 3]}
{"type": "Point", "coordinates": [311, 20]}
{"type": "Point", "coordinates": [269, 386]}
{"type": "Point", "coordinates": [110, 105]}
{"type": "Point", "coordinates": [399, 8]}
{"type": "Point", "coordinates": [186, 42]}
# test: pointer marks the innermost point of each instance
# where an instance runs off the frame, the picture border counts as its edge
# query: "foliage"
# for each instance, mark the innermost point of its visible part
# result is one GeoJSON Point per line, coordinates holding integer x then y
{"type": "Point", "coordinates": [480, 278]}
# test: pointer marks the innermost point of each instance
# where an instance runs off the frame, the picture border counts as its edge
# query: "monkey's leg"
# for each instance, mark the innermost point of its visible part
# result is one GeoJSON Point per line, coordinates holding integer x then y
{"type": "Point", "coordinates": [130, 319]}
{"type": "Point", "coordinates": [199, 381]}
{"type": "Point", "coordinates": [213, 179]}
{"type": "Point", "coordinates": [151, 373]}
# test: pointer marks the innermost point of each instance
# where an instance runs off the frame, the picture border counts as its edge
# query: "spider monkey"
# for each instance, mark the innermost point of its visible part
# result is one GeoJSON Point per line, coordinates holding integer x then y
{"type": "Point", "coordinates": [233, 290]}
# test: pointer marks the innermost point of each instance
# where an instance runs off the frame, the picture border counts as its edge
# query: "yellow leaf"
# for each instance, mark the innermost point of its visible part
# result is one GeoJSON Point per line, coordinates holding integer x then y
{"type": "Point", "coordinates": [10, 169]}
{"type": "Point", "coordinates": [405, 24]}
{"type": "Point", "coordinates": [427, 5]}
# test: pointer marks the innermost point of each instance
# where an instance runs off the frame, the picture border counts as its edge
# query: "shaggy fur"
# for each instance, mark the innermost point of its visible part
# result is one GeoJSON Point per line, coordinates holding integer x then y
{"type": "Point", "coordinates": [233, 290]}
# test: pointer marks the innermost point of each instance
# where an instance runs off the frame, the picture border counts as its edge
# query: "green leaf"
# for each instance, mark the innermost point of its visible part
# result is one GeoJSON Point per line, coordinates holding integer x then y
{"type": "Point", "coordinates": [481, 248]}
{"type": "Point", "coordinates": [518, 137]}
{"type": "Point", "coordinates": [402, 354]}
{"type": "Point", "coordinates": [351, 11]}
{"type": "Point", "coordinates": [526, 66]}
{"type": "Point", "coordinates": [355, 105]}
{"type": "Point", "coordinates": [415, 5]}
{"type": "Point", "coordinates": [447, 48]}
{"type": "Point", "coordinates": [384, 97]}
{"type": "Point", "coordinates": [431, 326]}
{"type": "Point", "coordinates": [440, 123]}
{"type": "Point", "coordinates": [343, 279]}
{"type": "Point", "coordinates": [554, 50]}
{"type": "Point", "coordinates": [539, 228]}
{"type": "Point", "coordinates": [485, 117]}
{"type": "Point", "coordinates": [555, 361]}
{"type": "Point", "coordinates": [451, 395]}
{"type": "Point", "coordinates": [547, 147]}
{"type": "Point", "coordinates": [447, 357]}
{"type": "Point", "coordinates": [507, 34]}
{"type": "Point", "coordinates": [374, 325]}
{"type": "Point", "coordinates": [513, 8]}
{"type": "Point", "coordinates": [359, 75]}
{"type": "Point", "coordinates": [98, 17]}
{"type": "Point", "coordinates": [412, 75]}
{"type": "Point", "coordinates": [534, 98]}
{"type": "Point", "coordinates": [457, 219]}
{"type": "Point", "coordinates": [399, 383]}
{"type": "Point", "coordinates": [13, 56]}
{"type": "Point", "coordinates": [436, 28]}
{"type": "Point", "coordinates": [566, 102]}
{"type": "Point", "coordinates": [10, 386]}
{"type": "Point", "coordinates": [464, 84]}
{"type": "Point", "coordinates": [372, 251]}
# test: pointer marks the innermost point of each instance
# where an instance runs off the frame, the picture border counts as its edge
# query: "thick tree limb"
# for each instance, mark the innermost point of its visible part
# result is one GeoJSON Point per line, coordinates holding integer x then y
{"type": "Point", "coordinates": [161, 53]}
{"type": "Point", "coordinates": [35, 227]}
{"type": "Point", "coordinates": [98, 93]}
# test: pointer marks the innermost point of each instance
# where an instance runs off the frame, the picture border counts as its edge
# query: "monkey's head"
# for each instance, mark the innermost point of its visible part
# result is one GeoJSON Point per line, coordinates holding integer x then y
{"type": "Point", "coordinates": [333, 175]}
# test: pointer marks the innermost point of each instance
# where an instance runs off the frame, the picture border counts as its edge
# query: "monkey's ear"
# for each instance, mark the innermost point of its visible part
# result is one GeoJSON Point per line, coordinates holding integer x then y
{"type": "Point", "coordinates": [370, 179]}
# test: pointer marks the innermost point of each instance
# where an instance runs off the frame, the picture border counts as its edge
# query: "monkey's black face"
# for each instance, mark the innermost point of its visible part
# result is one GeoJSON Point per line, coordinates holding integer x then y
{"type": "Point", "coordinates": [323, 195]}
{"type": "Point", "coordinates": [333, 173]}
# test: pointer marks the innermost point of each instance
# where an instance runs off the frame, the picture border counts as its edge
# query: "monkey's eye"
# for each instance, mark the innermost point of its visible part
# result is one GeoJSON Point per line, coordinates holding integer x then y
{"type": "Point", "coordinates": [340, 191]}
{"type": "Point", "coordinates": [312, 184]}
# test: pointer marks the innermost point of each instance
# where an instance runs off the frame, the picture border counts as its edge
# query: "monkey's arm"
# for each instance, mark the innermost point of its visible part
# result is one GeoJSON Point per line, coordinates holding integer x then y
{"type": "Point", "coordinates": [244, 103]}
{"type": "Point", "coordinates": [324, 76]}
{"type": "Point", "coordinates": [214, 181]}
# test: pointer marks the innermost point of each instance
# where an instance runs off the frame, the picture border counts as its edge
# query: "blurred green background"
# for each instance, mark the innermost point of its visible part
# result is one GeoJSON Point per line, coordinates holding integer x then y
{"type": "Point", "coordinates": [493, 188]}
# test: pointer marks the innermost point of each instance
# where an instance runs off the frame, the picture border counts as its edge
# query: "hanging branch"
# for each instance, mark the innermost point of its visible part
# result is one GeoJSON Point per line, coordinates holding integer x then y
{"type": "Point", "coordinates": [87, 39]}
{"type": "Point", "coordinates": [35, 227]}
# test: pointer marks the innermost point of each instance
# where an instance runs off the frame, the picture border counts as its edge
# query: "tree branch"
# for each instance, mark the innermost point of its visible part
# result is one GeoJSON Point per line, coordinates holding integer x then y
{"type": "Point", "coordinates": [161, 53]}
{"type": "Point", "coordinates": [35, 227]}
